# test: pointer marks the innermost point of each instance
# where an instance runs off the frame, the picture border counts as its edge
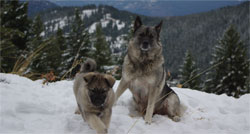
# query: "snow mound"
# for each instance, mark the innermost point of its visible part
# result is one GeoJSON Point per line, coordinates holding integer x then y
{"type": "Point", "coordinates": [29, 107]}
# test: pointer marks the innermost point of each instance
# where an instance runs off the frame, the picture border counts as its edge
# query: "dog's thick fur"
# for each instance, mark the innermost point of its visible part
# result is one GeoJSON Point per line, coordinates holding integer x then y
{"type": "Point", "coordinates": [94, 96]}
{"type": "Point", "coordinates": [143, 73]}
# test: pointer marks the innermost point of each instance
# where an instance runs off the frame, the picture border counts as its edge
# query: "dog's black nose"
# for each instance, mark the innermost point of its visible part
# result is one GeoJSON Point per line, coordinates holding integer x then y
{"type": "Point", "coordinates": [145, 46]}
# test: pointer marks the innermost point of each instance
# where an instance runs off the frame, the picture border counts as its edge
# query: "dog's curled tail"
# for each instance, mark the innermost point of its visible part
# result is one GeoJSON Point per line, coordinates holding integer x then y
{"type": "Point", "coordinates": [88, 66]}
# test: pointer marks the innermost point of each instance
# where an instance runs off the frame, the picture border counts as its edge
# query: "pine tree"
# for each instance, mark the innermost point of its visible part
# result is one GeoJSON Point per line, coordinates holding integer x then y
{"type": "Point", "coordinates": [231, 75]}
{"type": "Point", "coordinates": [50, 57]}
{"type": "Point", "coordinates": [248, 82]}
{"type": "Point", "coordinates": [188, 71]}
{"type": "Point", "coordinates": [78, 43]}
{"type": "Point", "coordinates": [102, 53]}
{"type": "Point", "coordinates": [14, 16]}
{"type": "Point", "coordinates": [14, 26]}
{"type": "Point", "coordinates": [60, 43]}
{"type": "Point", "coordinates": [35, 40]}
{"type": "Point", "coordinates": [35, 34]}
{"type": "Point", "coordinates": [53, 59]}
{"type": "Point", "coordinates": [8, 50]}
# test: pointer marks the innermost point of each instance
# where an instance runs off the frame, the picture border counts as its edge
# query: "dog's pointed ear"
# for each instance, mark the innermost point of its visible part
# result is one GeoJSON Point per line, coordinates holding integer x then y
{"type": "Point", "coordinates": [137, 23]}
{"type": "Point", "coordinates": [110, 80]}
{"type": "Point", "coordinates": [89, 77]}
{"type": "Point", "coordinates": [158, 28]}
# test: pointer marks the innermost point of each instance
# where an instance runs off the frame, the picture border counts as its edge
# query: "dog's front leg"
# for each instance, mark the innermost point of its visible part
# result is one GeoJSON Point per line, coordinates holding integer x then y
{"type": "Point", "coordinates": [150, 106]}
{"type": "Point", "coordinates": [121, 88]}
{"type": "Point", "coordinates": [96, 123]}
{"type": "Point", "coordinates": [106, 117]}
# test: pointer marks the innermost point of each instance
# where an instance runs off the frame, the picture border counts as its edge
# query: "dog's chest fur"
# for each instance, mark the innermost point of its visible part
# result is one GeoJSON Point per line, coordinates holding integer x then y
{"type": "Point", "coordinates": [140, 87]}
{"type": "Point", "coordinates": [143, 79]}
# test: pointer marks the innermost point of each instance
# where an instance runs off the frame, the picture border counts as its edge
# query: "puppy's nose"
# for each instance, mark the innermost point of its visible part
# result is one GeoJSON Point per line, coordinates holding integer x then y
{"type": "Point", "coordinates": [145, 46]}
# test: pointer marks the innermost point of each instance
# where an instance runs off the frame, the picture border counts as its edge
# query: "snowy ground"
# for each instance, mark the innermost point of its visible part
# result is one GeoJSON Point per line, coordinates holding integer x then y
{"type": "Point", "coordinates": [30, 107]}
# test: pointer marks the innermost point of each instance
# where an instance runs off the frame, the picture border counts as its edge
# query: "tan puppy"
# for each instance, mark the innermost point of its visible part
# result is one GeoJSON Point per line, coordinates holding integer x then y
{"type": "Point", "coordinates": [95, 97]}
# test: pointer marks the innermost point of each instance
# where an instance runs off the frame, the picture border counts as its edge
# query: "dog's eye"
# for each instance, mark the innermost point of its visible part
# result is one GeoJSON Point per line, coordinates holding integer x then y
{"type": "Point", "coordinates": [151, 36]}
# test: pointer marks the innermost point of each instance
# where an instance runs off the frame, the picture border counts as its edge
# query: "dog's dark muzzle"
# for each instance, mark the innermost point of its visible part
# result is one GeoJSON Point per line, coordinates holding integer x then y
{"type": "Point", "coordinates": [145, 46]}
{"type": "Point", "coordinates": [97, 97]}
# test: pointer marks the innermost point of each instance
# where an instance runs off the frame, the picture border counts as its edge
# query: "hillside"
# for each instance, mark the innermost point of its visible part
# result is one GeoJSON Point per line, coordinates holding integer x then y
{"type": "Point", "coordinates": [30, 107]}
{"type": "Point", "coordinates": [156, 7]}
{"type": "Point", "coordinates": [198, 33]}
{"type": "Point", "coordinates": [36, 6]}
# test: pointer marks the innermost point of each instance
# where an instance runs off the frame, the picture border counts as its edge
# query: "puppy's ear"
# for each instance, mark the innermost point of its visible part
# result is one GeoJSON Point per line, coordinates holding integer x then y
{"type": "Point", "coordinates": [89, 77]}
{"type": "Point", "coordinates": [137, 23]}
{"type": "Point", "coordinates": [158, 28]}
{"type": "Point", "coordinates": [110, 80]}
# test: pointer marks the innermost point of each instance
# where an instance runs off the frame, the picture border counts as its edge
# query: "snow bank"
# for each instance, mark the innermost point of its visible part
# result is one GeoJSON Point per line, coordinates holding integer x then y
{"type": "Point", "coordinates": [30, 107]}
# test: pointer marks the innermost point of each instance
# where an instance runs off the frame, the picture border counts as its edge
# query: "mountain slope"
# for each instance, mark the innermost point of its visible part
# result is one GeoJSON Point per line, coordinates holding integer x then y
{"type": "Point", "coordinates": [31, 107]}
{"type": "Point", "coordinates": [155, 7]}
{"type": "Point", "coordinates": [198, 33]}
{"type": "Point", "coordinates": [36, 6]}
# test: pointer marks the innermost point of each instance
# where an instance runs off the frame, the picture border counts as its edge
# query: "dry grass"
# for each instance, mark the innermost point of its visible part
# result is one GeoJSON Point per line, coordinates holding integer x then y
{"type": "Point", "coordinates": [22, 63]}
{"type": "Point", "coordinates": [75, 63]}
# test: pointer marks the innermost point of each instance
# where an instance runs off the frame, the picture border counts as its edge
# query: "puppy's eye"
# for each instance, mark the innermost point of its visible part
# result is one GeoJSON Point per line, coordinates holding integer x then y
{"type": "Point", "coordinates": [141, 34]}
{"type": "Point", "coordinates": [91, 89]}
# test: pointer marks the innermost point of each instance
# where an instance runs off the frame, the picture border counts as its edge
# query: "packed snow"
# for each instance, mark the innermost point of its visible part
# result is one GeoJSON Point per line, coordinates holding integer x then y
{"type": "Point", "coordinates": [30, 107]}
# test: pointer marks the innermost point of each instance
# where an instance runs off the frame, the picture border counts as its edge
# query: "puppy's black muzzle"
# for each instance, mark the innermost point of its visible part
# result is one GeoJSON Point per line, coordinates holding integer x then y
{"type": "Point", "coordinates": [97, 97]}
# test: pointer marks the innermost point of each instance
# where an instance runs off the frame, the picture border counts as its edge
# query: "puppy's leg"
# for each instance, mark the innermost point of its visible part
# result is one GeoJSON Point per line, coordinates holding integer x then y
{"type": "Point", "coordinates": [106, 117]}
{"type": "Point", "coordinates": [96, 123]}
{"type": "Point", "coordinates": [150, 106]}
{"type": "Point", "coordinates": [121, 88]}
{"type": "Point", "coordinates": [172, 106]}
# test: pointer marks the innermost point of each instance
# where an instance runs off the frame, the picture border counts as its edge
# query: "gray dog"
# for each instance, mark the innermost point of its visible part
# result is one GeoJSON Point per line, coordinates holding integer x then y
{"type": "Point", "coordinates": [144, 74]}
{"type": "Point", "coordinates": [94, 96]}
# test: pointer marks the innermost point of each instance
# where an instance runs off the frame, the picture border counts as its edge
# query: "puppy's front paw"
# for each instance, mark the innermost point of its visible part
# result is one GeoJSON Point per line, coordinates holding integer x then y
{"type": "Point", "coordinates": [148, 119]}
{"type": "Point", "coordinates": [105, 131]}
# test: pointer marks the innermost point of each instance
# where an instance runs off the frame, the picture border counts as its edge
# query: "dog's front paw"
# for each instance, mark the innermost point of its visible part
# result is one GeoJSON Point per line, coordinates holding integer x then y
{"type": "Point", "coordinates": [77, 111]}
{"type": "Point", "coordinates": [148, 119]}
{"type": "Point", "coordinates": [176, 118]}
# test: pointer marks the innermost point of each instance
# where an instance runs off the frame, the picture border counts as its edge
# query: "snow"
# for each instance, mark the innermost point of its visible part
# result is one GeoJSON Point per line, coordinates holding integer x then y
{"type": "Point", "coordinates": [119, 24]}
{"type": "Point", "coordinates": [30, 107]}
{"type": "Point", "coordinates": [119, 42]}
{"type": "Point", "coordinates": [88, 12]}
{"type": "Point", "coordinates": [57, 23]}
{"type": "Point", "coordinates": [92, 28]}
{"type": "Point", "coordinates": [42, 34]}
{"type": "Point", "coordinates": [105, 21]}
